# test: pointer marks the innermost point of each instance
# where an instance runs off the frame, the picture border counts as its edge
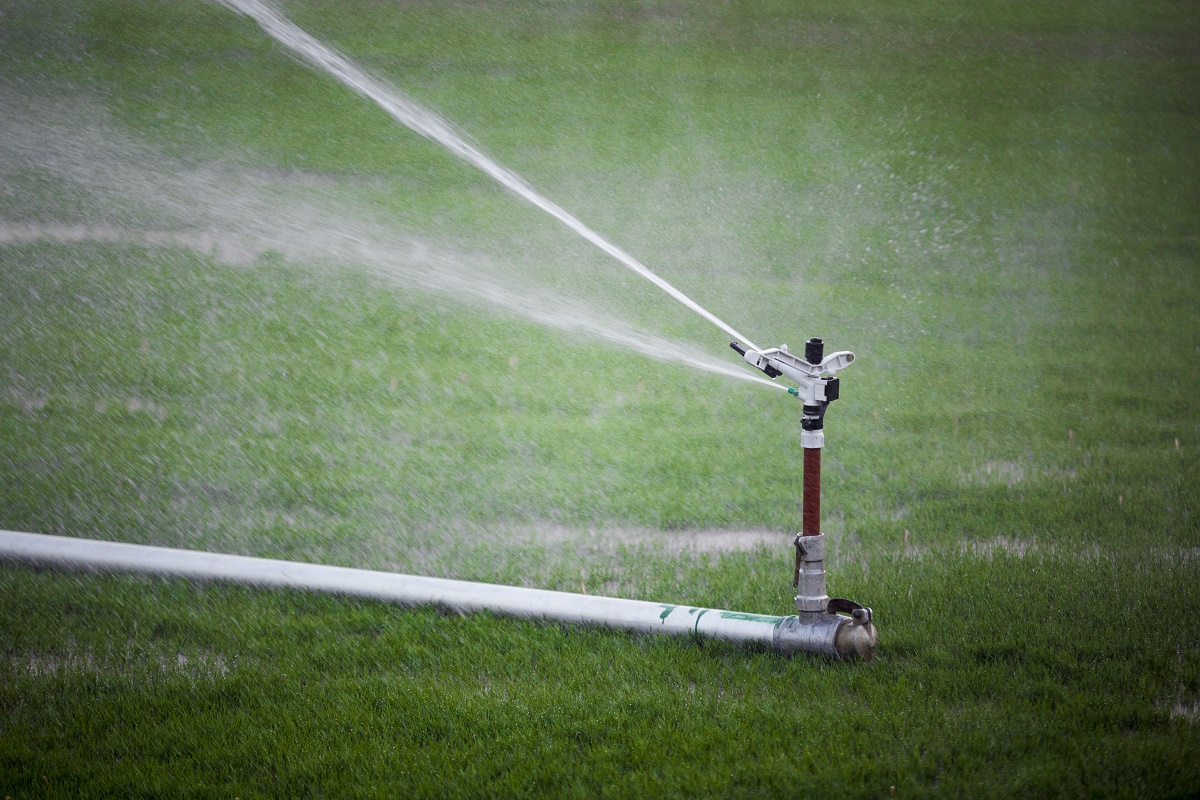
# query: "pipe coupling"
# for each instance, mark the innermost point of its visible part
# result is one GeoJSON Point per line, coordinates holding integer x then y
{"type": "Point", "coordinates": [831, 635]}
{"type": "Point", "coordinates": [810, 575]}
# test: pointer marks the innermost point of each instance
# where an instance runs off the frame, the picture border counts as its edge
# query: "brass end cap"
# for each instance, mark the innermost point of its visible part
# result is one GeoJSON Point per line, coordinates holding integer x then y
{"type": "Point", "coordinates": [854, 640]}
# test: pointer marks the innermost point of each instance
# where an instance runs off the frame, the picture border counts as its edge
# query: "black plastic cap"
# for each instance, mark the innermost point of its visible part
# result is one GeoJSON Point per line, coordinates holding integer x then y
{"type": "Point", "coordinates": [814, 350]}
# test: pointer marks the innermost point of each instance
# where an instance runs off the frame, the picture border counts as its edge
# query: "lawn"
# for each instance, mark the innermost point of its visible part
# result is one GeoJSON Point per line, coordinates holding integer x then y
{"type": "Point", "coordinates": [242, 310]}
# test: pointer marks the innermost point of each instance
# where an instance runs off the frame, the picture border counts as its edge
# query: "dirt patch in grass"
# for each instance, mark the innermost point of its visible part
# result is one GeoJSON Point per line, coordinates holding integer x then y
{"type": "Point", "coordinates": [230, 248]}
{"type": "Point", "coordinates": [674, 542]}
{"type": "Point", "coordinates": [1019, 547]}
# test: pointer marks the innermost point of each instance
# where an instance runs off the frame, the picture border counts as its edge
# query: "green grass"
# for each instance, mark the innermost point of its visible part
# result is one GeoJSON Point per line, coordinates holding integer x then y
{"type": "Point", "coordinates": [995, 207]}
{"type": "Point", "coordinates": [236, 691]}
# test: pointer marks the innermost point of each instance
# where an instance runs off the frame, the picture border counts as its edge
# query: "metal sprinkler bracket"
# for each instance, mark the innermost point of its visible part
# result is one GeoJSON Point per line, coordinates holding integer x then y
{"type": "Point", "coordinates": [818, 386]}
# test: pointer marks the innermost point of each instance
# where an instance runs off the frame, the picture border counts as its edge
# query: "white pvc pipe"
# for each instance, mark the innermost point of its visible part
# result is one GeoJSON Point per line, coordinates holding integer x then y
{"type": "Point", "coordinates": [829, 634]}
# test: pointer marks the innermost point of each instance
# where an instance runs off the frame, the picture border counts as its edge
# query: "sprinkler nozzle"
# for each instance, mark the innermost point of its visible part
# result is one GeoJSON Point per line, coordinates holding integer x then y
{"type": "Point", "coordinates": [793, 391]}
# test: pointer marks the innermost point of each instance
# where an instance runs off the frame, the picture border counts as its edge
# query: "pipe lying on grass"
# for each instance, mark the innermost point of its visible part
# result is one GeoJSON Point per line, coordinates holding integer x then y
{"type": "Point", "coordinates": [828, 634]}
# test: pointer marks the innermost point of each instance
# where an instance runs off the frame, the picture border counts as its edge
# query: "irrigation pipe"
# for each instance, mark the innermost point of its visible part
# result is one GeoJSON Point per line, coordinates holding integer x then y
{"type": "Point", "coordinates": [828, 634]}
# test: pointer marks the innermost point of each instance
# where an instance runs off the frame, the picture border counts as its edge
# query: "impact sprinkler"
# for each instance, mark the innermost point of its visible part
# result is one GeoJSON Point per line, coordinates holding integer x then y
{"type": "Point", "coordinates": [848, 623]}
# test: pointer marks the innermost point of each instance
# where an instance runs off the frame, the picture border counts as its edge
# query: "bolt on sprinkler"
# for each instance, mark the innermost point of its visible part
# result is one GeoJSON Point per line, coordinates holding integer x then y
{"type": "Point", "coordinates": [841, 626]}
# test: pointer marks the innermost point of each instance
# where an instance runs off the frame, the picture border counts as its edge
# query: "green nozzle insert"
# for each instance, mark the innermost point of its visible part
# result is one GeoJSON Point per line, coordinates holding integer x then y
{"type": "Point", "coordinates": [794, 392]}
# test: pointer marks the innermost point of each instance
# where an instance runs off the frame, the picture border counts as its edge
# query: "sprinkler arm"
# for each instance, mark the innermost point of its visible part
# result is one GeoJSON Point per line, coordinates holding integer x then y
{"type": "Point", "coordinates": [818, 383]}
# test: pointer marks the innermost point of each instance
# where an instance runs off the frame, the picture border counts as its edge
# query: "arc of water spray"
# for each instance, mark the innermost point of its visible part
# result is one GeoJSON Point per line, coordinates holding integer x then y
{"type": "Point", "coordinates": [242, 221]}
{"type": "Point", "coordinates": [411, 114]}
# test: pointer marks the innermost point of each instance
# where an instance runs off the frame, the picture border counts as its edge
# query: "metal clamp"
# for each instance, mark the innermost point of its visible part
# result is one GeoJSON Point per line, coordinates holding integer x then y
{"type": "Point", "coordinates": [860, 614]}
{"type": "Point", "coordinates": [799, 543]}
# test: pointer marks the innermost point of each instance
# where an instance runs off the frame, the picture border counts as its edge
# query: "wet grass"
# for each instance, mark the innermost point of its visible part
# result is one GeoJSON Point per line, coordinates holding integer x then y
{"type": "Point", "coordinates": [995, 208]}
{"type": "Point", "coordinates": [176, 688]}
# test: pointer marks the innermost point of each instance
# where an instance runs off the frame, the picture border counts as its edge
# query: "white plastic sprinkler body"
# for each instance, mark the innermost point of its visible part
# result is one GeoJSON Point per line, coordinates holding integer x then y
{"type": "Point", "coordinates": [778, 361]}
{"type": "Point", "coordinates": [818, 386]}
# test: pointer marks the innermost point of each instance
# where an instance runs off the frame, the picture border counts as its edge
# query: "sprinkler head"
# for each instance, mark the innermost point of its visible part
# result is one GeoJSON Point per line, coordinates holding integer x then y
{"type": "Point", "coordinates": [778, 361]}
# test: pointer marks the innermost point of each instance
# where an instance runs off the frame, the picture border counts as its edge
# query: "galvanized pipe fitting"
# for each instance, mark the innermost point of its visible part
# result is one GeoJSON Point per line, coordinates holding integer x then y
{"type": "Point", "coordinates": [831, 634]}
{"type": "Point", "coordinates": [810, 574]}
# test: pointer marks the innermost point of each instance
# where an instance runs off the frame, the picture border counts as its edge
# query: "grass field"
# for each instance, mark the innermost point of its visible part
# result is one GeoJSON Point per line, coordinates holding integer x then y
{"type": "Point", "coordinates": [240, 312]}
